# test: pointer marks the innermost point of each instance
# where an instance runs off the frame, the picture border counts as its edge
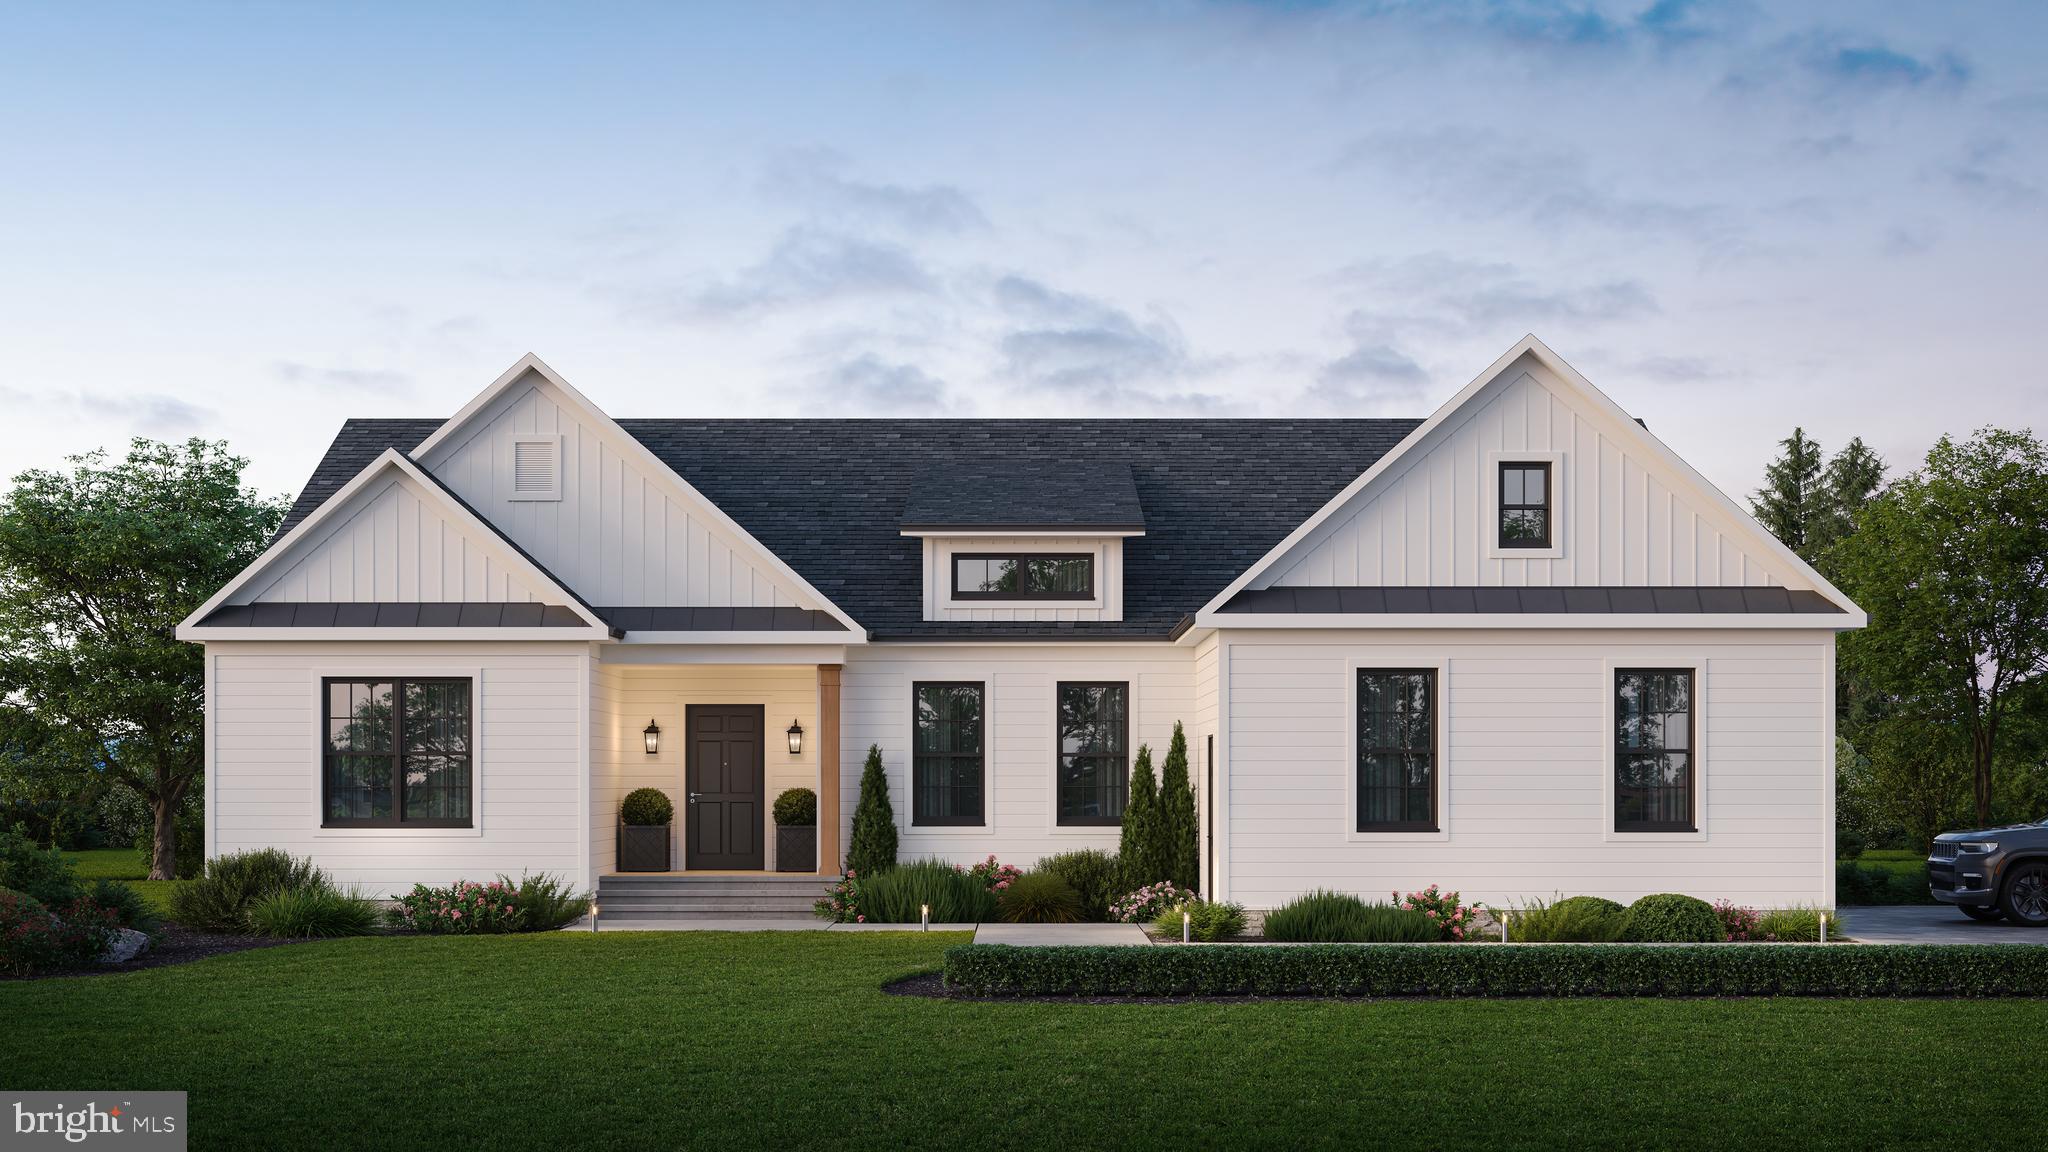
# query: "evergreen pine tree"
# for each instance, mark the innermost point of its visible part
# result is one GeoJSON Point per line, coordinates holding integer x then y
{"type": "Point", "coordinates": [1139, 855]}
{"type": "Point", "coordinates": [1792, 495]}
{"type": "Point", "coordinates": [1852, 478]}
{"type": "Point", "coordinates": [874, 822]}
{"type": "Point", "coordinates": [1177, 822]}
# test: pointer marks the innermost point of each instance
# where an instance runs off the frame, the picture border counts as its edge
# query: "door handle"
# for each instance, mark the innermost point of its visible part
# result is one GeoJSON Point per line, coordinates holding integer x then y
{"type": "Point", "coordinates": [693, 797]}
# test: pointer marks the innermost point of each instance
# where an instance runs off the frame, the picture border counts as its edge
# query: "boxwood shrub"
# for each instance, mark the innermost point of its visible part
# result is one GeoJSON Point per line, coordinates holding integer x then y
{"type": "Point", "coordinates": [1669, 918]}
{"type": "Point", "coordinates": [1388, 970]}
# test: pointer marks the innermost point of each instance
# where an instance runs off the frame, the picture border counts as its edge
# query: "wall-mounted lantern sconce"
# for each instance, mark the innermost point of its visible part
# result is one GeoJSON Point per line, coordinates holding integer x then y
{"type": "Point", "coordinates": [652, 734]}
{"type": "Point", "coordinates": [796, 738]}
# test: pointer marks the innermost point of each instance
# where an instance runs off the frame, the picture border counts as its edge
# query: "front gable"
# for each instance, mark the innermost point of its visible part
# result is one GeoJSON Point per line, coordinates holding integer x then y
{"type": "Point", "coordinates": [1626, 511]}
{"type": "Point", "coordinates": [588, 501]}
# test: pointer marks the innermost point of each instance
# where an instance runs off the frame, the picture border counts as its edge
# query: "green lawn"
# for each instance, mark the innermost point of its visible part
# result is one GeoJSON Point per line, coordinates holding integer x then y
{"type": "Point", "coordinates": [783, 1041]}
{"type": "Point", "coordinates": [109, 864]}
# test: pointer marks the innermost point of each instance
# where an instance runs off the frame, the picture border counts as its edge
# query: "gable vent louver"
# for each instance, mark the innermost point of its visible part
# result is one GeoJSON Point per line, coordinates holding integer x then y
{"type": "Point", "coordinates": [536, 468]}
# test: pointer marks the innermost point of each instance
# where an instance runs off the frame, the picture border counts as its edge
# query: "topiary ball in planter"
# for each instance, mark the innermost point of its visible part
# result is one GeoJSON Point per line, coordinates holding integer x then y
{"type": "Point", "coordinates": [796, 831]}
{"type": "Point", "coordinates": [643, 830]}
{"type": "Point", "coordinates": [1669, 918]}
{"type": "Point", "coordinates": [644, 807]}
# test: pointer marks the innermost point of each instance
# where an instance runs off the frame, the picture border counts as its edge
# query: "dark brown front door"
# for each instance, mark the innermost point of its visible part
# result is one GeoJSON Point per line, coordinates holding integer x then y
{"type": "Point", "coordinates": [722, 774]}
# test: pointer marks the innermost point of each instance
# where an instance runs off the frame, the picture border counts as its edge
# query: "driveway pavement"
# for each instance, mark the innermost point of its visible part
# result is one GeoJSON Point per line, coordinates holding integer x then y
{"type": "Point", "coordinates": [1932, 924]}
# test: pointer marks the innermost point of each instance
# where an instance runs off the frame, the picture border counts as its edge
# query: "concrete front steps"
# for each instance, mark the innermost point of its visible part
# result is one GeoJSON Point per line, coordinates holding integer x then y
{"type": "Point", "coordinates": [658, 897]}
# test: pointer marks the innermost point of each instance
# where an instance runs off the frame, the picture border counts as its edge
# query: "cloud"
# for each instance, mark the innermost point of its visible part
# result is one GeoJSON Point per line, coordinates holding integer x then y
{"type": "Point", "coordinates": [1877, 65]}
{"type": "Point", "coordinates": [868, 385]}
{"type": "Point", "coordinates": [151, 413]}
{"type": "Point", "coordinates": [1982, 172]}
{"type": "Point", "coordinates": [807, 266]}
{"type": "Point", "coordinates": [1466, 297]}
{"type": "Point", "coordinates": [1071, 342]}
{"type": "Point", "coordinates": [815, 178]}
{"type": "Point", "coordinates": [375, 382]}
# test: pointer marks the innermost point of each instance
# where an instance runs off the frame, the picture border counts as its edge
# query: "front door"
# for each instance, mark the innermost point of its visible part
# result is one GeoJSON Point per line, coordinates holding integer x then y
{"type": "Point", "coordinates": [722, 776]}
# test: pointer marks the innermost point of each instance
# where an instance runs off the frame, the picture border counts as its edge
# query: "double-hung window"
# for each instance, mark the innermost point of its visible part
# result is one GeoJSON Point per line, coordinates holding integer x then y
{"type": "Point", "coordinates": [1654, 771]}
{"type": "Point", "coordinates": [396, 753]}
{"type": "Point", "coordinates": [1094, 752]}
{"type": "Point", "coordinates": [1397, 750]}
{"type": "Point", "coordinates": [946, 760]}
{"type": "Point", "coordinates": [1525, 490]}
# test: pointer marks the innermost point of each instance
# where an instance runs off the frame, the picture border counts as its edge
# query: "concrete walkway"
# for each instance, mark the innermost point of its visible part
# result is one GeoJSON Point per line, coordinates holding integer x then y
{"type": "Point", "coordinates": [1932, 924]}
{"type": "Point", "coordinates": [1039, 935]}
{"type": "Point", "coordinates": [792, 924]}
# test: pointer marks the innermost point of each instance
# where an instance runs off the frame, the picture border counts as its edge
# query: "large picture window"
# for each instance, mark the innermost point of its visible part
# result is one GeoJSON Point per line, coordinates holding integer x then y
{"type": "Point", "coordinates": [946, 764]}
{"type": "Point", "coordinates": [1524, 505]}
{"type": "Point", "coordinates": [1653, 750]}
{"type": "Point", "coordinates": [1397, 750]}
{"type": "Point", "coordinates": [397, 753]}
{"type": "Point", "coordinates": [1023, 576]}
{"type": "Point", "coordinates": [1094, 766]}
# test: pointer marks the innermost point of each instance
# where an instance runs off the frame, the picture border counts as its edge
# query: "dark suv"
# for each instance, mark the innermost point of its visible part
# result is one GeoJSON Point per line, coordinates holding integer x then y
{"type": "Point", "coordinates": [1993, 873]}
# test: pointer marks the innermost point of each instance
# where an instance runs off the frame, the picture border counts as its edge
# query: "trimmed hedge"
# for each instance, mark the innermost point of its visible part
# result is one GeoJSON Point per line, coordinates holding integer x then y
{"type": "Point", "coordinates": [1386, 970]}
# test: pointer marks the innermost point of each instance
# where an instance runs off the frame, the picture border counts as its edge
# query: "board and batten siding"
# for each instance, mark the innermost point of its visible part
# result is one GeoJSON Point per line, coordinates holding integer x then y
{"type": "Point", "coordinates": [637, 693]}
{"type": "Point", "coordinates": [1526, 737]}
{"type": "Point", "coordinates": [1107, 604]}
{"type": "Point", "coordinates": [531, 753]}
{"type": "Point", "coordinates": [1020, 753]}
{"type": "Point", "coordinates": [395, 545]}
{"type": "Point", "coordinates": [1623, 518]}
{"type": "Point", "coordinates": [617, 535]}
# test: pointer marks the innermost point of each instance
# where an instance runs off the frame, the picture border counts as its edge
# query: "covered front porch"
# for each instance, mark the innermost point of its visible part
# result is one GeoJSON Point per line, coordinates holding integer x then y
{"type": "Point", "coordinates": [720, 732]}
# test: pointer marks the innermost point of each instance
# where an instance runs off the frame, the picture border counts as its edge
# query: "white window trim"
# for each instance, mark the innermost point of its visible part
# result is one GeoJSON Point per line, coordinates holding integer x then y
{"type": "Point", "coordinates": [554, 446]}
{"type": "Point", "coordinates": [943, 594]}
{"type": "Point", "coordinates": [987, 827]}
{"type": "Point", "coordinates": [1701, 757]}
{"type": "Point", "coordinates": [1381, 658]}
{"type": "Point", "coordinates": [1110, 674]}
{"type": "Point", "coordinates": [1560, 501]}
{"type": "Point", "coordinates": [367, 671]}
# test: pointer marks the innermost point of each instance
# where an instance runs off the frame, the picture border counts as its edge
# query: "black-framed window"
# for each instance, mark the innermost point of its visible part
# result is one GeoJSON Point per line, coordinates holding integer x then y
{"type": "Point", "coordinates": [1397, 750]}
{"type": "Point", "coordinates": [1023, 576]}
{"type": "Point", "coordinates": [397, 752]}
{"type": "Point", "coordinates": [1654, 768]}
{"type": "Point", "coordinates": [946, 753]}
{"type": "Point", "coordinates": [1095, 741]}
{"type": "Point", "coordinates": [1525, 492]}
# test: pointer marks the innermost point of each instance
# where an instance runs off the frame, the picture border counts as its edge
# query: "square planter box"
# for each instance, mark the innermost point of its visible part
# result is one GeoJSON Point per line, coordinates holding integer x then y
{"type": "Point", "coordinates": [643, 848]}
{"type": "Point", "coordinates": [796, 848]}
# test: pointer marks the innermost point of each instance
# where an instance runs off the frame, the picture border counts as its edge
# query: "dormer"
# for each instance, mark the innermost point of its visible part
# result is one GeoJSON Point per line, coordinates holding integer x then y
{"type": "Point", "coordinates": [1023, 540]}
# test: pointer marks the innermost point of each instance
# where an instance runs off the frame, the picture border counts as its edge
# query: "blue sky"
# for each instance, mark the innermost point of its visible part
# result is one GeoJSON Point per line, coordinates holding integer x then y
{"type": "Point", "coordinates": [250, 222]}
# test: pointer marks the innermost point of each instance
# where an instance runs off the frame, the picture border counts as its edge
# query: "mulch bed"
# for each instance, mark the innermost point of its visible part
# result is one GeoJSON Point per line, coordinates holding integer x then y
{"type": "Point", "coordinates": [174, 945]}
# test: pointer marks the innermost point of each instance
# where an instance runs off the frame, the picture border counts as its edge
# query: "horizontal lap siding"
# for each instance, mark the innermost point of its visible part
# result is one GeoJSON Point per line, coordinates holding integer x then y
{"type": "Point", "coordinates": [530, 719]}
{"type": "Point", "coordinates": [1527, 749]}
{"type": "Point", "coordinates": [1019, 751]}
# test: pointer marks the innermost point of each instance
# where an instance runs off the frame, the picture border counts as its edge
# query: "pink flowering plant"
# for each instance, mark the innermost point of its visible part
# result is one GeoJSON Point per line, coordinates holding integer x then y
{"type": "Point", "coordinates": [1453, 917]}
{"type": "Point", "coordinates": [841, 904]}
{"type": "Point", "coordinates": [1737, 922]}
{"type": "Point", "coordinates": [993, 874]}
{"type": "Point", "coordinates": [1148, 903]}
{"type": "Point", "coordinates": [34, 941]}
{"type": "Point", "coordinates": [464, 908]}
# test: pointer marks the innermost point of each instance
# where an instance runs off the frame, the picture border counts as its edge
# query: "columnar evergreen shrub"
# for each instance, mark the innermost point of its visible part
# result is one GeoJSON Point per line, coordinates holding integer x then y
{"type": "Point", "coordinates": [1142, 848]}
{"type": "Point", "coordinates": [1039, 898]}
{"type": "Point", "coordinates": [1669, 918]}
{"type": "Point", "coordinates": [873, 848]}
{"type": "Point", "coordinates": [1092, 873]}
{"type": "Point", "coordinates": [1179, 833]}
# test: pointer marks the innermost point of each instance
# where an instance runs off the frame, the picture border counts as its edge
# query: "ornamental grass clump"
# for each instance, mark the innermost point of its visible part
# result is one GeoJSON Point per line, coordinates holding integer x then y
{"type": "Point", "coordinates": [897, 895]}
{"type": "Point", "coordinates": [313, 913]}
{"type": "Point", "coordinates": [464, 908]}
{"type": "Point", "coordinates": [1796, 925]}
{"type": "Point", "coordinates": [1039, 898]}
{"type": "Point", "coordinates": [1093, 875]}
{"type": "Point", "coordinates": [1326, 917]}
{"type": "Point", "coordinates": [545, 902]}
{"type": "Point", "coordinates": [1572, 920]}
{"type": "Point", "coordinates": [1670, 918]}
{"type": "Point", "coordinates": [219, 901]}
{"type": "Point", "coordinates": [1206, 920]}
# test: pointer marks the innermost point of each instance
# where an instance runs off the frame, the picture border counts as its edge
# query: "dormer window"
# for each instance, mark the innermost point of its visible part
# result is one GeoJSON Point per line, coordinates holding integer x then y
{"type": "Point", "coordinates": [1524, 504]}
{"type": "Point", "coordinates": [1023, 576]}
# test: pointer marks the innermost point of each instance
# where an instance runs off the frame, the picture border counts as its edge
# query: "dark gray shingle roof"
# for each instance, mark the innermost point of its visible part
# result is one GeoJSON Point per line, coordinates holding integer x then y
{"type": "Point", "coordinates": [829, 496]}
{"type": "Point", "coordinates": [1036, 492]}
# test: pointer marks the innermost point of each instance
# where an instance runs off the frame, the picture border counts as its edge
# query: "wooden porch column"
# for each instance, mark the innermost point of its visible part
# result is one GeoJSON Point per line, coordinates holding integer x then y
{"type": "Point", "coordinates": [828, 769]}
